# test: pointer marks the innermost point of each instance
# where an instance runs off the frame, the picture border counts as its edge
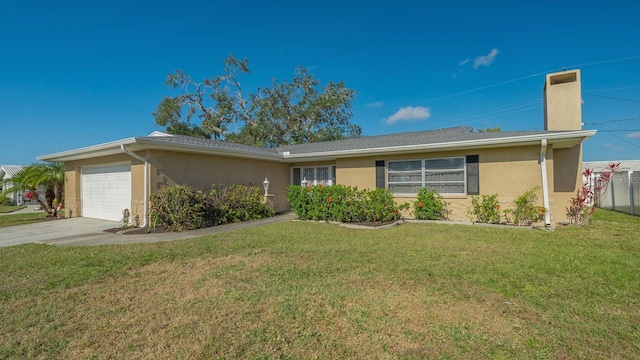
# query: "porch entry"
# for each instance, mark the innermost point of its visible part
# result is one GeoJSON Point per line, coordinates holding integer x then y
{"type": "Point", "coordinates": [314, 175]}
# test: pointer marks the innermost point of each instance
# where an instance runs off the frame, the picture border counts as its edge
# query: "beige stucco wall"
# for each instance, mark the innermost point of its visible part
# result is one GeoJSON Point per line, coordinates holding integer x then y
{"type": "Point", "coordinates": [73, 190]}
{"type": "Point", "coordinates": [202, 171]}
{"type": "Point", "coordinates": [507, 172]}
{"type": "Point", "coordinates": [563, 101]}
{"type": "Point", "coordinates": [567, 171]}
{"type": "Point", "coordinates": [504, 171]}
{"type": "Point", "coordinates": [169, 168]}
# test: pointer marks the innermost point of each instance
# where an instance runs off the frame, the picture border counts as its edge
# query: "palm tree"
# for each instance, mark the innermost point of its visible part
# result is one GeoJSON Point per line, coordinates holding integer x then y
{"type": "Point", "coordinates": [50, 175]}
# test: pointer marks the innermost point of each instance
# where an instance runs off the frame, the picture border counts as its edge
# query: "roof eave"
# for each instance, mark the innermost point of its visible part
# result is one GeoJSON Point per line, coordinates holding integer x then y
{"type": "Point", "coordinates": [136, 144]}
{"type": "Point", "coordinates": [105, 149]}
{"type": "Point", "coordinates": [203, 149]}
{"type": "Point", "coordinates": [568, 139]}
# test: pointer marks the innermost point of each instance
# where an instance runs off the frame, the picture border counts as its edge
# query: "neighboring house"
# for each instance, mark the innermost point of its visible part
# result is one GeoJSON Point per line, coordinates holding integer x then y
{"type": "Point", "coordinates": [625, 165]}
{"type": "Point", "coordinates": [7, 172]}
{"type": "Point", "coordinates": [623, 193]}
{"type": "Point", "coordinates": [104, 179]}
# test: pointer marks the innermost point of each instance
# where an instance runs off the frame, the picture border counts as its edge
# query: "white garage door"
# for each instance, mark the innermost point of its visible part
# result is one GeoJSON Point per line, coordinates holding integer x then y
{"type": "Point", "coordinates": [106, 191]}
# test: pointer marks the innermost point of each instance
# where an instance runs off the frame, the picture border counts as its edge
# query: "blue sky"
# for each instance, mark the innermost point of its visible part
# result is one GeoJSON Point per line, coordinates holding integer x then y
{"type": "Point", "coordinates": [79, 73]}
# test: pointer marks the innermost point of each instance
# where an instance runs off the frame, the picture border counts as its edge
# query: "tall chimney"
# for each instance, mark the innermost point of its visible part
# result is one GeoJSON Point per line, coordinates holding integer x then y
{"type": "Point", "coordinates": [563, 101]}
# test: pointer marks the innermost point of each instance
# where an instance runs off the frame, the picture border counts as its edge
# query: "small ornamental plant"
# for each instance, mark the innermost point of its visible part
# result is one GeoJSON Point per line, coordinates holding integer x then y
{"type": "Point", "coordinates": [430, 206]}
{"type": "Point", "coordinates": [126, 215]}
{"type": "Point", "coordinates": [485, 209]}
{"type": "Point", "coordinates": [583, 205]}
{"type": "Point", "coordinates": [526, 211]}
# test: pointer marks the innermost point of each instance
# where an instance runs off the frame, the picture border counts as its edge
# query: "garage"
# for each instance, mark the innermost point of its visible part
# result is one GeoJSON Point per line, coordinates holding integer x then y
{"type": "Point", "coordinates": [106, 191]}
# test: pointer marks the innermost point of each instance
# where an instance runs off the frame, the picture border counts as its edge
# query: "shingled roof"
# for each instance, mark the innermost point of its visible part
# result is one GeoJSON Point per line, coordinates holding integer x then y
{"type": "Point", "coordinates": [439, 136]}
{"type": "Point", "coordinates": [427, 140]}
{"type": "Point", "coordinates": [209, 143]}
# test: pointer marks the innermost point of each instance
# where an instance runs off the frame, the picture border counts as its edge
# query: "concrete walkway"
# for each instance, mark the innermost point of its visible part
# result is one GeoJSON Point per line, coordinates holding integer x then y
{"type": "Point", "coordinates": [28, 209]}
{"type": "Point", "coordinates": [88, 232]}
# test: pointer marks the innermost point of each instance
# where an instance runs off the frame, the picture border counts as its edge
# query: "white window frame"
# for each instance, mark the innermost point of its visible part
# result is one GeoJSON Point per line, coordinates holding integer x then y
{"type": "Point", "coordinates": [314, 181]}
{"type": "Point", "coordinates": [424, 171]}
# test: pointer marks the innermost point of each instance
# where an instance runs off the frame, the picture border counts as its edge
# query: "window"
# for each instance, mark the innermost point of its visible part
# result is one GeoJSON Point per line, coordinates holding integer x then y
{"type": "Point", "coordinates": [444, 175]}
{"type": "Point", "coordinates": [317, 175]}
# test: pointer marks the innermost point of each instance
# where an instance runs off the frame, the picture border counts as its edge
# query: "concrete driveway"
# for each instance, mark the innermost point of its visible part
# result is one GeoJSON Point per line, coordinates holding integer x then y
{"type": "Point", "coordinates": [54, 231]}
{"type": "Point", "coordinates": [85, 231]}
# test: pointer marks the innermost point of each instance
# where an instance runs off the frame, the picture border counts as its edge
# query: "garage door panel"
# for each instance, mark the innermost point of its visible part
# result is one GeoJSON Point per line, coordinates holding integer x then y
{"type": "Point", "coordinates": [106, 191]}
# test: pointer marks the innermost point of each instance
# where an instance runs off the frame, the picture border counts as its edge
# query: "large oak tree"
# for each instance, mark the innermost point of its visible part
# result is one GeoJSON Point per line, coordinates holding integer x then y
{"type": "Point", "coordinates": [286, 112]}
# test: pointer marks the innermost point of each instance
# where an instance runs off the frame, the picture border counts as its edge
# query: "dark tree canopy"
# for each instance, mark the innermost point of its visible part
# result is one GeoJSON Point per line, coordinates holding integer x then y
{"type": "Point", "coordinates": [287, 112]}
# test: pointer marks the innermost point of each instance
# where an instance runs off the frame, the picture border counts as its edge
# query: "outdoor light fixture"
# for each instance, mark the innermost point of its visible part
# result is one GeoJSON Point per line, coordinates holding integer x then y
{"type": "Point", "coordinates": [304, 182]}
{"type": "Point", "coordinates": [265, 183]}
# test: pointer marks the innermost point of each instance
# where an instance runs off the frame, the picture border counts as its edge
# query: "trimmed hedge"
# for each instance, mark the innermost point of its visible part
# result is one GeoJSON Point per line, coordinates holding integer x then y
{"type": "Point", "coordinates": [182, 207]}
{"type": "Point", "coordinates": [344, 204]}
{"type": "Point", "coordinates": [237, 203]}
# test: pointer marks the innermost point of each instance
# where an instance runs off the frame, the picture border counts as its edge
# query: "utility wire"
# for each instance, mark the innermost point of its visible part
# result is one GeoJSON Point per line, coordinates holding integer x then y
{"type": "Point", "coordinates": [522, 78]}
{"type": "Point", "coordinates": [612, 89]}
{"type": "Point", "coordinates": [612, 121]}
{"type": "Point", "coordinates": [526, 77]}
{"type": "Point", "coordinates": [612, 98]}
{"type": "Point", "coordinates": [617, 137]}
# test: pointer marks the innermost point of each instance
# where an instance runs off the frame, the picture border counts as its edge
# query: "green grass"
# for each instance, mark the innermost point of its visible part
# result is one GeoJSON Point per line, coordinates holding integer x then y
{"type": "Point", "coordinates": [307, 290]}
{"type": "Point", "coordinates": [21, 219]}
{"type": "Point", "coordinates": [8, 209]}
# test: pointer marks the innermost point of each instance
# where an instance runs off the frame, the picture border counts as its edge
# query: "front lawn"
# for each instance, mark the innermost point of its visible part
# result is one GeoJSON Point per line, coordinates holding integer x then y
{"type": "Point", "coordinates": [316, 290]}
{"type": "Point", "coordinates": [7, 209]}
{"type": "Point", "coordinates": [22, 219]}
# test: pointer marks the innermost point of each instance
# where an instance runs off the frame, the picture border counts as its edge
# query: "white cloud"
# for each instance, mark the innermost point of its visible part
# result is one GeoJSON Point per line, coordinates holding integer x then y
{"type": "Point", "coordinates": [409, 113]}
{"type": "Point", "coordinates": [634, 135]}
{"type": "Point", "coordinates": [485, 60]}
{"type": "Point", "coordinates": [376, 104]}
{"type": "Point", "coordinates": [464, 62]}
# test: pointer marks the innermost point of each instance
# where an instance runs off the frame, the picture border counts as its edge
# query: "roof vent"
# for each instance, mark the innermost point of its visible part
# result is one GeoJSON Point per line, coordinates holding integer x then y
{"type": "Point", "coordinates": [159, 133]}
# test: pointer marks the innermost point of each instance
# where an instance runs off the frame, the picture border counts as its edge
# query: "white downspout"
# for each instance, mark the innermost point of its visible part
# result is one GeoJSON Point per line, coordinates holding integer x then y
{"type": "Point", "coordinates": [545, 185]}
{"type": "Point", "coordinates": [146, 182]}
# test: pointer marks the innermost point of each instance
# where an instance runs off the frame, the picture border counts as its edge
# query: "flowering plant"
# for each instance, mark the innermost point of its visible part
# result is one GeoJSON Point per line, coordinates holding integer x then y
{"type": "Point", "coordinates": [430, 206]}
{"type": "Point", "coordinates": [584, 203]}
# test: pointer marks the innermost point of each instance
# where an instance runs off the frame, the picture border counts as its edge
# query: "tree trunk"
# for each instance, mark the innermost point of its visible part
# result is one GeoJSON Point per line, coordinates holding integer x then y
{"type": "Point", "coordinates": [43, 205]}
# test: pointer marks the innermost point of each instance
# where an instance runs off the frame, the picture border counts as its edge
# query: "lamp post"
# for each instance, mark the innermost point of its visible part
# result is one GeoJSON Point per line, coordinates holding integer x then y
{"type": "Point", "coordinates": [265, 184]}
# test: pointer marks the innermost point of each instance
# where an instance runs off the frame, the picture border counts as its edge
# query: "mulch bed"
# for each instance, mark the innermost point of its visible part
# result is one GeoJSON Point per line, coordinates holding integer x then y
{"type": "Point", "coordinates": [374, 224]}
{"type": "Point", "coordinates": [137, 231]}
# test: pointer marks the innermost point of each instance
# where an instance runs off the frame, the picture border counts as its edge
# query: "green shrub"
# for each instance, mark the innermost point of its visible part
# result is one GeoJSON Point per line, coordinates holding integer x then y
{"type": "Point", "coordinates": [179, 208]}
{"type": "Point", "coordinates": [485, 209]}
{"type": "Point", "coordinates": [236, 203]}
{"type": "Point", "coordinates": [343, 203]}
{"type": "Point", "coordinates": [6, 201]}
{"type": "Point", "coordinates": [182, 207]}
{"type": "Point", "coordinates": [430, 206]}
{"type": "Point", "coordinates": [526, 211]}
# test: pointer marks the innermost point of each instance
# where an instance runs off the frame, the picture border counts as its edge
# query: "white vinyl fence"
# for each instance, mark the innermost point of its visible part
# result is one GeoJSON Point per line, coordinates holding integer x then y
{"type": "Point", "coordinates": [623, 194]}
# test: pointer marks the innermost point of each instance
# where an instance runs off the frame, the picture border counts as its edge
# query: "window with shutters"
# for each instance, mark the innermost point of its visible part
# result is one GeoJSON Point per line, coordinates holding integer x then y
{"type": "Point", "coordinates": [444, 175]}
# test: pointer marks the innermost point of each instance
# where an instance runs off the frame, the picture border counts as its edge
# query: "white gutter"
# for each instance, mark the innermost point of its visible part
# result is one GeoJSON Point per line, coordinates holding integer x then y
{"type": "Point", "coordinates": [545, 185]}
{"type": "Point", "coordinates": [146, 182]}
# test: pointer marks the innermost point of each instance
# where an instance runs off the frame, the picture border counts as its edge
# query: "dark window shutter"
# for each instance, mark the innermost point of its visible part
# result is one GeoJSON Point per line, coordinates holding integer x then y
{"type": "Point", "coordinates": [473, 174]}
{"type": "Point", "coordinates": [296, 176]}
{"type": "Point", "coordinates": [380, 180]}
